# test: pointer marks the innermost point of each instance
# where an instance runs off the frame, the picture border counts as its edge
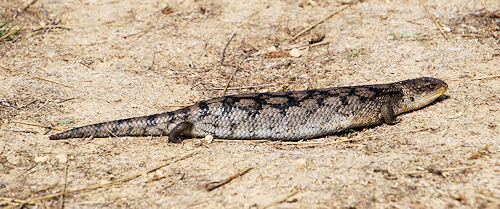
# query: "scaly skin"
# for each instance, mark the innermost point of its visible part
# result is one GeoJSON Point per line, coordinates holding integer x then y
{"type": "Point", "coordinates": [289, 115]}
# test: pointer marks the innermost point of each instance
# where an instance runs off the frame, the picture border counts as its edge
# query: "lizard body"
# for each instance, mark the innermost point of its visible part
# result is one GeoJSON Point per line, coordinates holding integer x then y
{"type": "Point", "coordinates": [287, 115]}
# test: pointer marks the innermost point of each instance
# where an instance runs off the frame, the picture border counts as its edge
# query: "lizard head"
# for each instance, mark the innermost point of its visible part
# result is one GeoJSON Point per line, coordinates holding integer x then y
{"type": "Point", "coordinates": [420, 92]}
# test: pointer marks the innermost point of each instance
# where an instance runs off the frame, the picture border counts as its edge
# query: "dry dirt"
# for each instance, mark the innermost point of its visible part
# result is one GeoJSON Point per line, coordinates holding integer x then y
{"type": "Point", "coordinates": [118, 59]}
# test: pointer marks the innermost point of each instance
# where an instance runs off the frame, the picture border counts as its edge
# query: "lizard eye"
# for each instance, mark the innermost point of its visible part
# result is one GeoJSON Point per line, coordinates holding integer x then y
{"type": "Point", "coordinates": [431, 86]}
{"type": "Point", "coordinates": [412, 99]}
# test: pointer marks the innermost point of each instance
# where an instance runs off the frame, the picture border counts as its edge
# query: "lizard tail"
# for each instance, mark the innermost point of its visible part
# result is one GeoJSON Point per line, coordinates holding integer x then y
{"type": "Point", "coordinates": [138, 126]}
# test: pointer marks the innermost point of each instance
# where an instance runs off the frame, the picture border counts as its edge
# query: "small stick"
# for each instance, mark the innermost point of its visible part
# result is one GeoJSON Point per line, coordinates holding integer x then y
{"type": "Point", "coordinates": [282, 200]}
{"type": "Point", "coordinates": [434, 19]}
{"type": "Point", "coordinates": [2, 148]}
{"type": "Point", "coordinates": [65, 100]}
{"type": "Point", "coordinates": [51, 27]}
{"type": "Point", "coordinates": [242, 87]}
{"type": "Point", "coordinates": [326, 143]}
{"type": "Point", "coordinates": [136, 33]}
{"type": "Point", "coordinates": [153, 61]}
{"type": "Point", "coordinates": [38, 77]}
{"type": "Point", "coordinates": [475, 78]}
{"type": "Point", "coordinates": [97, 186]}
{"type": "Point", "coordinates": [24, 131]}
{"type": "Point", "coordinates": [480, 152]}
{"type": "Point", "coordinates": [436, 171]}
{"type": "Point", "coordinates": [313, 45]}
{"type": "Point", "coordinates": [216, 184]}
{"type": "Point", "coordinates": [9, 33]}
{"type": "Point", "coordinates": [61, 206]}
{"type": "Point", "coordinates": [38, 125]}
{"type": "Point", "coordinates": [241, 140]}
{"type": "Point", "coordinates": [7, 200]}
{"type": "Point", "coordinates": [229, 81]}
{"type": "Point", "coordinates": [110, 132]}
{"type": "Point", "coordinates": [203, 49]}
{"type": "Point", "coordinates": [225, 47]}
{"type": "Point", "coordinates": [174, 181]}
{"type": "Point", "coordinates": [487, 77]}
{"type": "Point", "coordinates": [231, 78]}
{"type": "Point", "coordinates": [31, 3]}
{"type": "Point", "coordinates": [321, 21]}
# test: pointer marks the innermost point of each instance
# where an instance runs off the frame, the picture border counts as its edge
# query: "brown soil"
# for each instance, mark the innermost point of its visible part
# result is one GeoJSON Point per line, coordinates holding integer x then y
{"type": "Point", "coordinates": [118, 59]}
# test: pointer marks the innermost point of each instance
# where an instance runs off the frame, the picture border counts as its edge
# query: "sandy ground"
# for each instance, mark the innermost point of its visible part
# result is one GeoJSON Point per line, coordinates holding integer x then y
{"type": "Point", "coordinates": [118, 59]}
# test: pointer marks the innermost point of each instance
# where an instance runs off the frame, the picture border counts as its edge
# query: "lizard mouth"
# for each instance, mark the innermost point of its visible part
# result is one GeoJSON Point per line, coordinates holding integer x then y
{"type": "Point", "coordinates": [437, 93]}
{"type": "Point", "coordinates": [441, 90]}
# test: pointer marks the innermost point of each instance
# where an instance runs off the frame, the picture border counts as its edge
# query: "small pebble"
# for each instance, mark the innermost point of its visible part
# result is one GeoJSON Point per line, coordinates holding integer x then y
{"type": "Point", "coordinates": [271, 49]}
{"type": "Point", "coordinates": [209, 139]}
{"type": "Point", "coordinates": [62, 158]}
{"type": "Point", "coordinates": [296, 52]}
{"type": "Point", "coordinates": [41, 159]}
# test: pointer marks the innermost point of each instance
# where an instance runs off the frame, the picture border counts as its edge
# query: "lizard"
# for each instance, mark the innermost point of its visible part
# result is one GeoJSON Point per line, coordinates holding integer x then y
{"type": "Point", "coordinates": [282, 115]}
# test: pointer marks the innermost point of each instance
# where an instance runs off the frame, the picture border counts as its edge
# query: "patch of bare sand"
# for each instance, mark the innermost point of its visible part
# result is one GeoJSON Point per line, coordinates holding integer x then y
{"type": "Point", "coordinates": [127, 58]}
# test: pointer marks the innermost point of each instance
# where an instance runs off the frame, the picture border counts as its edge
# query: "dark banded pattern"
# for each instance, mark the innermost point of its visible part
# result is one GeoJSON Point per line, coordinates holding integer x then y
{"type": "Point", "coordinates": [289, 115]}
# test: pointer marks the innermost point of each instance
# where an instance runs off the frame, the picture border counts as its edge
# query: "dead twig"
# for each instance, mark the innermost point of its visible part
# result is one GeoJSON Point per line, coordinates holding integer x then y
{"type": "Point", "coordinates": [436, 171]}
{"type": "Point", "coordinates": [97, 186]}
{"type": "Point", "coordinates": [61, 206]}
{"type": "Point", "coordinates": [216, 184]}
{"type": "Point", "coordinates": [10, 33]}
{"type": "Point", "coordinates": [42, 27]}
{"type": "Point", "coordinates": [242, 140]}
{"type": "Point", "coordinates": [241, 87]}
{"type": "Point", "coordinates": [282, 200]}
{"type": "Point", "coordinates": [65, 100]}
{"type": "Point", "coordinates": [38, 77]}
{"type": "Point", "coordinates": [24, 131]}
{"type": "Point", "coordinates": [307, 143]}
{"type": "Point", "coordinates": [223, 55]}
{"type": "Point", "coordinates": [153, 60]}
{"type": "Point", "coordinates": [38, 125]}
{"type": "Point", "coordinates": [7, 200]}
{"type": "Point", "coordinates": [203, 49]}
{"type": "Point", "coordinates": [313, 45]}
{"type": "Point", "coordinates": [50, 27]}
{"type": "Point", "coordinates": [468, 78]}
{"type": "Point", "coordinates": [480, 152]}
{"type": "Point", "coordinates": [321, 21]}
{"type": "Point", "coordinates": [31, 3]}
{"type": "Point", "coordinates": [231, 78]}
{"type": "Point", "coordinates": [487, 77]}
{"type": "Point", "coordinates": [434, 19]}
{"type": "Point", "coordinates": [136, 33]}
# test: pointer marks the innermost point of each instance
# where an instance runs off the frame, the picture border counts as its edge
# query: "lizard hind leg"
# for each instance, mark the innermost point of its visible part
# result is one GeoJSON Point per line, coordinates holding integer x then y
{"type": "Point", "coordinates": [175, 135]}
